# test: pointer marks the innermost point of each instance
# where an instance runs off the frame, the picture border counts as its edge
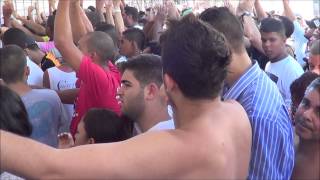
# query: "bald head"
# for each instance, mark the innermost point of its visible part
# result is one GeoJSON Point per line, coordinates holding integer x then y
{"type": "Point", "coordinates": [100, 43]}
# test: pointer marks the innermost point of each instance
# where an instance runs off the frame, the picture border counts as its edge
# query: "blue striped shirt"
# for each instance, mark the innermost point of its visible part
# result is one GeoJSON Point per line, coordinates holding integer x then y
{"type": "Point", "coordinates": [272, 152]}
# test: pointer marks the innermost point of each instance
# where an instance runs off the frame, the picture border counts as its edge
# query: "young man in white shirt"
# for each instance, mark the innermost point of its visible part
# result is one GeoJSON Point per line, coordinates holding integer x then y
{"type": "Point", "coordinates": [282, 68]}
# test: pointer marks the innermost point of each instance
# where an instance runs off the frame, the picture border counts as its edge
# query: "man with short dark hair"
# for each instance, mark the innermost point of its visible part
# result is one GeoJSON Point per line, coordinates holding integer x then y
{"type": "Point", "coordinates": [131, 17]}
{"type": "Point", "coordinates": [140, 95]}
{"type": "Point", "coordinates": [132, 42]}
{"type": "Point", "coordinates": [98, 78]}
{"type": "Point", "coordinates": [307, 120]}
{"type": "Point", "coordinates": [17, 37]}
{"type": "Point", "coordinates": [251, 87]}
{"type": "Point", "coordinates": [44, 107]}
{"type": "Point", "coordinates": [282, 68]}
{"type": "Point", "coordinates": [210, 136]}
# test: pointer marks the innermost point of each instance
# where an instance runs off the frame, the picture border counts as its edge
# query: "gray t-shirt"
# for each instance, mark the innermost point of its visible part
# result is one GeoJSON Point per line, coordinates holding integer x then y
{"type": "Point", "coordinates": [46, 114]}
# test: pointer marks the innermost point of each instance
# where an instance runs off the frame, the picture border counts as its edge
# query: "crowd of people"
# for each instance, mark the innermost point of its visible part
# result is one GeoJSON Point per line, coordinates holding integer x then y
{"type": "Point", "coordinates": [110, 92]}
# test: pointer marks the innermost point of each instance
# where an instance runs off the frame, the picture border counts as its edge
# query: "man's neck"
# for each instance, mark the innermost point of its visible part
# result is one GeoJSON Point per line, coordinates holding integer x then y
{"type": "Point", "coordinates": [279, 58]}
{"type": "Point", "coordinates": [240, 63]}
{"type": "Point", "coordinates": [21, 88]}
{"type": "Point", "coordinates": [152, 116]}
{"type": "Point", "coordinates": [307, 147]}
{"type": "Point", "coordinates": [188, 111]}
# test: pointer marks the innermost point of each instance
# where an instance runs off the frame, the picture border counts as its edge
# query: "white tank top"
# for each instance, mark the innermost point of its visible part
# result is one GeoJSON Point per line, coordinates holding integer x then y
{"type": "Point", "coordinates": [60, 80]}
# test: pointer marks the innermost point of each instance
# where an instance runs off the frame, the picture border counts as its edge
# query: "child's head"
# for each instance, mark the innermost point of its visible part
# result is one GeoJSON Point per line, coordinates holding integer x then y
{"type": "Point", "coordinates": [100, 126]}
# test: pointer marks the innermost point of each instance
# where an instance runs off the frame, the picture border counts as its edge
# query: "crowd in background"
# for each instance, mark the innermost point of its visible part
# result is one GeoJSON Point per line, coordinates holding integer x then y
{"type": "Point", "coordinates": [112, 74]}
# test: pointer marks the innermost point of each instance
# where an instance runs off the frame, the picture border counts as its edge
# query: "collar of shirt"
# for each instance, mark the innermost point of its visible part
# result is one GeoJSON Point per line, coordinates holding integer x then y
{"type": "Point", "coordinates": [237, 88]}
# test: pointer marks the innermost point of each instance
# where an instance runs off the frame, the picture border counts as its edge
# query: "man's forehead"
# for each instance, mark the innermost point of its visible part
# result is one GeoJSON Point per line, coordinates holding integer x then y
{"type": "Point", "coordinates": [313, 96]}
{"type": "Point", "coordinates": [128, 76]}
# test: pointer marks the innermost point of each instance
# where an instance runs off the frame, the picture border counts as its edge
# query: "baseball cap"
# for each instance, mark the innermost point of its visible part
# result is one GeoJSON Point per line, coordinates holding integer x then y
{"type": "Point", "coordinates": [314, 23]}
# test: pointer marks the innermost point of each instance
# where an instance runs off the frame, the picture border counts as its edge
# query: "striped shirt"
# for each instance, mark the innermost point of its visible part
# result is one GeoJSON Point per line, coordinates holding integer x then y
{"type": "Point", "coordinates": [272, 153]}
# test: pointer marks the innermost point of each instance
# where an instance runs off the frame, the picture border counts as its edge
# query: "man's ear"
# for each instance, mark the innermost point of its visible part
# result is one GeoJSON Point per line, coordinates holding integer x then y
{"type": "Point", "coordinates": [27, 71]}
{"type": "Point", "coordinates": [169, 83]}
{"type": "Point", "coordinates": [91, 141]}
{"type": "Point", "coordinates": [151, 91]}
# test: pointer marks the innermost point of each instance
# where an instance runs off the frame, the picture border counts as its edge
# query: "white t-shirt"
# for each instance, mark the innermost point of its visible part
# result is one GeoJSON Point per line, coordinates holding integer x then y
{"type": "Point", "coordinates": [60, 80]}
{"type": "Point", "coordinates": [283, 73]}
{"type": "Point", "coordinates": [300, 43]}
{"type": "Point", "coordinates": [163, 125]}
{"type": "Point", "coordinates": [36, 74]}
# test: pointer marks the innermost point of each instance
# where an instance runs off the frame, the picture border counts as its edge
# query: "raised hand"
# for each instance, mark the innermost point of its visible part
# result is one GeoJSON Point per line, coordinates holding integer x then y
{"type": "Point", "coordinates": [65, 141]}
{"type": "Point", "coordinates": [228, 5]}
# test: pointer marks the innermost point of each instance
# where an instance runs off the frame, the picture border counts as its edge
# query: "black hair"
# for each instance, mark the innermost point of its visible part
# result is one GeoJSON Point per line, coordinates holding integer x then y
{"type": "Point", "coordinates": [15, 36]}
{"type": "Point", "coordinates": [13, 114]}
{"type": "Point", "coordinates": [93, 17]}
{"type": "Point", "coordinates": [136, 35]}
{"type": "Point", "coordinates": [269, 25]}
{"type": "Point", "coordinates": [196, 57]}
{"type": "Point", "coordinates": [288, 25]}
{"type": "Point", "coordinates": [110, 30]}
{"type": "Point", "coordinates": [298, 88]}
{"type": "Point", "coordinates": [146, 68]}
{"type": "Point", "coordinates": [225, 22]}
{"type": "Point", "coordinates": [104, 126]}
{"type": "Point", "coordinates": [12, 63]}
{"type": "Point", "coordinates": [132, 11]}
{"type": "Point", "coordinates": [50, 22]}
{"type": "Point", "coordinates": [102, 44]}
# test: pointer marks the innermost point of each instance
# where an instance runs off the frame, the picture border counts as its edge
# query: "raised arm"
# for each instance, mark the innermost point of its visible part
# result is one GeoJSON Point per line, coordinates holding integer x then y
{"type": "Point", "coordinates": [288, 11]}
{"type": "Point", "coordinates": [100, 9]}
{"type": "Point", "coordinates": [259, 10]}
{"type": "Point", "coordinates": [251, 30]}
{"type": "Point", "coordinates": [109, 12]}
{"type": "Point", "coordinates": [16, 24]}
{"type": "Point", "coordinates": [63, 36]}
{"type": "Point", "coordinates": [32, 25]}
{"type": "Point", "coordinates": [118, 19]}
{"type": "Point", "coordinates": [77, 25]}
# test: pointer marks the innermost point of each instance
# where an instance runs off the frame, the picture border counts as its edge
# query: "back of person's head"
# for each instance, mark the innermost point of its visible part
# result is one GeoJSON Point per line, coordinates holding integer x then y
{"type": "Point", "coordinates": [315, 47]}
{"type": "Point", "coordinates": [132, 11]}
{"type": "Point", "coordinates": [12, 64]}
{"type": "Point", "coordinates": [110, 30]}
{"type": "Point", "coordinates": [146, 68]}
{"type": "Point", "coordinates": [104, 126]}
{"type": "Point", "coordinates": [93, 17]}
{"type": "Point", "coordinates": [269, 25]}
{"type": "Point", "coordinates": [288, 25]}
{"type": "Point", "coordinates": [136, 35]}
{"type": "Point", "coordinates": [298, 88]}
{"type": "Point", "coordinates": [15, 36]}
{"type": "Point", "coordinates": [102, 44]}
{"type": "Point", "coordinates": [196, 57]}
{"type": "Point", "coordinates": [13, 114]}
{"type": "Point", "coordinates": [224, 21]}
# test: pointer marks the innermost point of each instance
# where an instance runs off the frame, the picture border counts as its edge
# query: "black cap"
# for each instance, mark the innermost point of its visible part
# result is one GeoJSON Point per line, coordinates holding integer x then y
{"type": "Point", "coordinates": [314, 23]}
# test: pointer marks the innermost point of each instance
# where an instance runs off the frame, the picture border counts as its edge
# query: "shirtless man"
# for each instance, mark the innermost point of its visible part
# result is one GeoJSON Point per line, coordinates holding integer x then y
{"type": "Point", "coordinates": [307, 120]}
{"type": "Point", "coordinates": [212, 138]}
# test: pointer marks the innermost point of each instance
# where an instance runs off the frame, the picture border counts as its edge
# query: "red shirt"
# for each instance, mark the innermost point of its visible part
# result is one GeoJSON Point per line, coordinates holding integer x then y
{"type": "Point", "coordinates": [98, 88]}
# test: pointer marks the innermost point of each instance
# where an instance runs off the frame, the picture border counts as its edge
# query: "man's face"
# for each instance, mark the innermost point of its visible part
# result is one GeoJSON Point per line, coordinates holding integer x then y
{"type": "Point", "coordinates": [273, 44]}
{"type": "Point", "coordinates": [126, 47]}
{"type": "Point", "coordinates": [314, 63]}
{"type": "Point", "coordinates": [307, 117]}
{"type": "Point", "coordinates": [131, 96]}
{"type": "Point", "coordinates": [127, 19]}
{"type": "Point", "coordinates": [81, 137]}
